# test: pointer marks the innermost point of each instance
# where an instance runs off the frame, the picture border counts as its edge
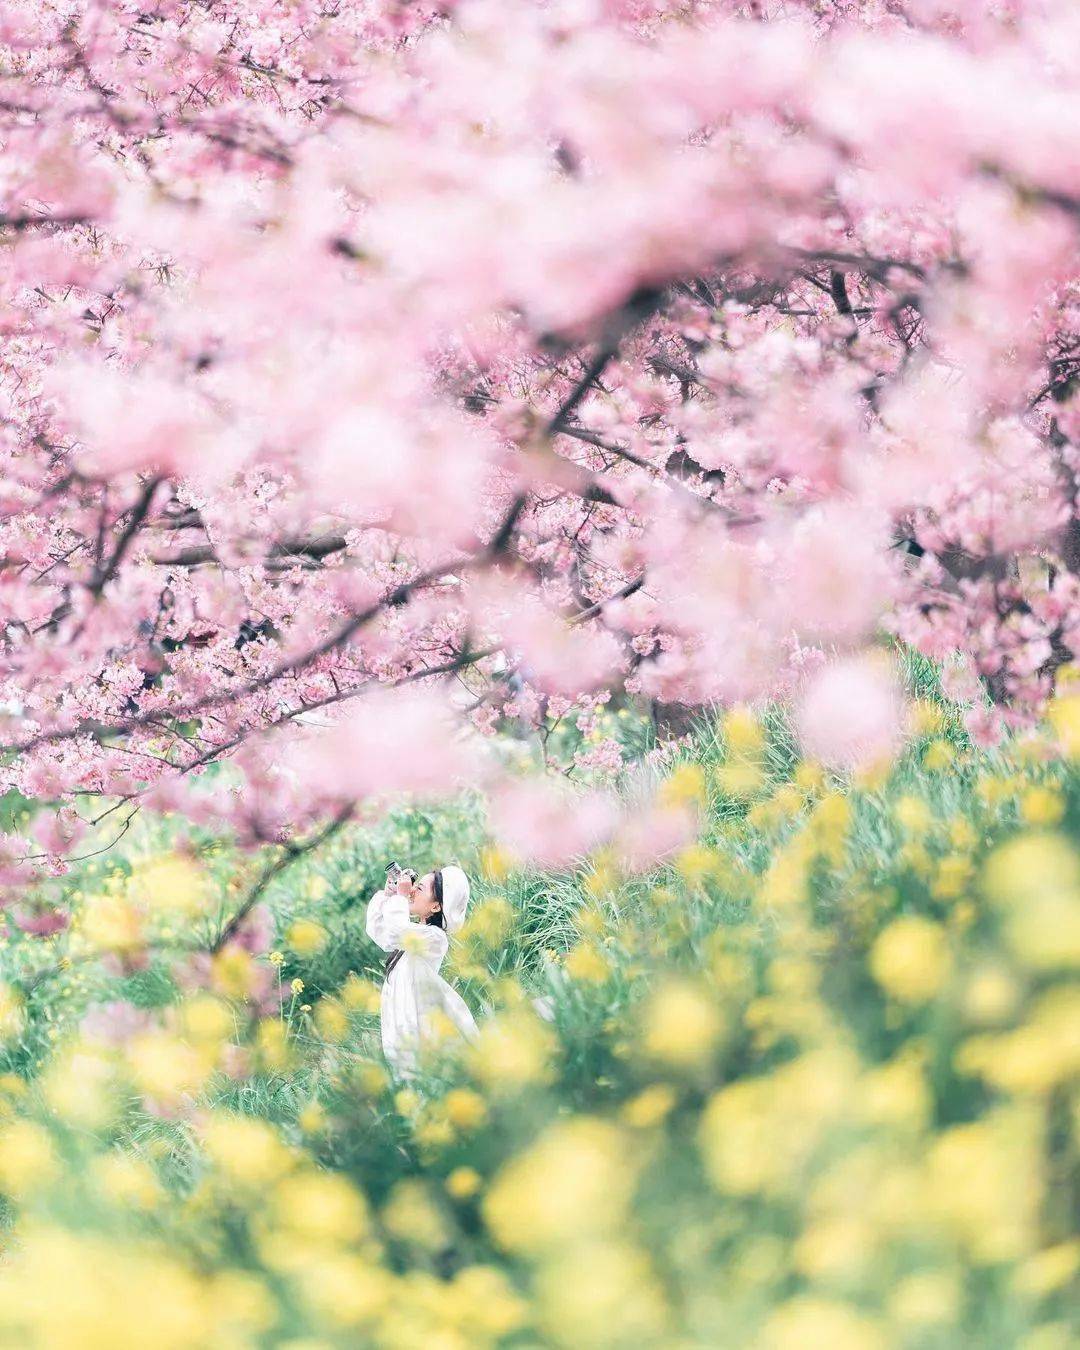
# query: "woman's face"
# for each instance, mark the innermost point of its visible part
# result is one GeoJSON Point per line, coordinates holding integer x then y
{"type": "Point", "coordinates": [422, 902]}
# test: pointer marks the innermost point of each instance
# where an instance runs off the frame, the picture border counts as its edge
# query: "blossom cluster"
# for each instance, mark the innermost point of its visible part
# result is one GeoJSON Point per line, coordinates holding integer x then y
{"type": "Point", "coordinates": [492, 358]}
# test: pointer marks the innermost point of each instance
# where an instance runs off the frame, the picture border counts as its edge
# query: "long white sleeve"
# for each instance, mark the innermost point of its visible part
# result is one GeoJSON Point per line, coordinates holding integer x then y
{"type": "Point", "coordinates": [387, 924]}
{"type": "Point", "coordinates": [387, 919]}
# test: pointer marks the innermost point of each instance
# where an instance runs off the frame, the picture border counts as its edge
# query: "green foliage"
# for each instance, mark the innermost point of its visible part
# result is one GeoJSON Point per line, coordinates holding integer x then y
{"type": "Point", "coordinates": [810, 1078]}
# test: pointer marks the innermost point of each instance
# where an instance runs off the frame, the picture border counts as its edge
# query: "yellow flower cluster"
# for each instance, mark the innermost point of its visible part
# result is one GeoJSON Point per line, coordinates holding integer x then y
{"type": "Point", "coordinates": [814, 1082]}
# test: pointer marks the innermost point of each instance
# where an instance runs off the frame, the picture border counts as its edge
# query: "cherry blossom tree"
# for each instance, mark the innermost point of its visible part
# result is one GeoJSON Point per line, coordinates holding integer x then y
{"type": "Point", "coordinates": [443, 366]}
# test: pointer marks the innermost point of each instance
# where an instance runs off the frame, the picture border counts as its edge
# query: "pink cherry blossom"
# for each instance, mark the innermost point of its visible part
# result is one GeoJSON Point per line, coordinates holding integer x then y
{"type": "Point", "coordinates": [851, 714]}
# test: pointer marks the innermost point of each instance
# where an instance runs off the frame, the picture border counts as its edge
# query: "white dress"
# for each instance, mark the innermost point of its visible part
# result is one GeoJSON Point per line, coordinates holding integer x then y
{"type": "Point", "coordinates": [414, 991]}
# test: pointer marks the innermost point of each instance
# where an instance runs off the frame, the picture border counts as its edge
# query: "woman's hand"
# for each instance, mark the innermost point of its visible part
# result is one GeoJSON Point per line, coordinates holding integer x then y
{"type": "Point", "coordinates": [404, 885]}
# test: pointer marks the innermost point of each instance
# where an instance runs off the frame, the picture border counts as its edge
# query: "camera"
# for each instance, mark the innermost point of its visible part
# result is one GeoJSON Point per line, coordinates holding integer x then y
{"type": "Point", "coordinates": [394, 872]}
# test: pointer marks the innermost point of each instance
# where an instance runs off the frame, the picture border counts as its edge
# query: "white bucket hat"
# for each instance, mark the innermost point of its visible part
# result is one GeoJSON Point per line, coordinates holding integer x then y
{"type": "Point", "coordinates": [455, 897]}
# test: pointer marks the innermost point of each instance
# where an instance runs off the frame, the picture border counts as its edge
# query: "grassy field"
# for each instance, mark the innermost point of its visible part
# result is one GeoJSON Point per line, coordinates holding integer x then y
{"type": "Point", "coordinates": [813, 1082]}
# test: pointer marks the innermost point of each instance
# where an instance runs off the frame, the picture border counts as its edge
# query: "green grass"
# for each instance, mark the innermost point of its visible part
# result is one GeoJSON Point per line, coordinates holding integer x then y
{"type": "Point", "coordinates": [764, 950]}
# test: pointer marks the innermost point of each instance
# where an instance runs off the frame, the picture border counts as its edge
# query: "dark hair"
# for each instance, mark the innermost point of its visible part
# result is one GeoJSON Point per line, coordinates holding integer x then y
{"type": "Point", "coordinates": [436, 919]}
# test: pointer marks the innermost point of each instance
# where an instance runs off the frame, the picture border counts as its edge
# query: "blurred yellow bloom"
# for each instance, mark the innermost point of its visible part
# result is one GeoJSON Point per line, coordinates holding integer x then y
{"type": "Point", "coordinates": [604, 1294]}
{"type": "Point", "coordinates": [994, 789]}
{"type": "Point", "coordinates": [112, 923]}
{"type": "Point", "coordinates": [463, 1183]}
{"type": "Point", "coordinates": [464, 1109]}
{"type": "Point", "coordinates": [756, 1134]}
{"type": "Point", "coordinates": [836, 1247]}
{"type": "Point", "coordinates": [331, 1020]}
{"type": "Point", "coordinates": [28, 1160]}
{"type": "Point", "coordinates": [317, 888]}
{"type": "Point", "coordinates": [342, 1289]}
{"type": "Point", "coordinates": [913, 815]}
{"type": "Point", "coordinates": [297, 986]}
{"type": "Point", "coordinates": [575, 1181]}
{"type": "Point", "coordinates": [681, 1024]}
{"type": "Point", "coordinates": [12, 1013]}
{"type": "Point", "coordinates": [80, 1087]}
{"type": "Point", "coordinates": [809, 777]}
{"type": "Point", "coordinates": [952, 876]}
{"type": "Point", "coordinates": [741, 729]}
{"type": "Point", "coordinates": [312, 1118]}
{"type": "Point", "coordinates": [651, 1106]}
{"type": "Point", "coordinates": [896, 1093]}
{"type": "Point", "coordinates": [412, 1215]}
{"type": "Point", "coordinates": [513, 1049]}
{"type": "Point", "coordinates": [938, 755]}
{"type": "Point", "coordinates": [1034, 880]}
{"type": "Point", "coordinates": [272, 1044]}
{"type": "Point", "coordinates": [1041, 1053]}
{"type": "Point", "coordinates": [166, 1068]}
{"type": "Point", "coordinates": [786, 881]}
{"type": "Point", "coordinates": [1049, 1270]}
{"type": "Point", "coordinates": [1041, 806]}
{"type": "Point", "coordinates": [813, 1323]}
{"type": "Point", "coordinates": [320, 1208]}
{"type": "Point", "coordinates": [495, 864]}
{"type": "Point", "coordinates": [245, 1150]}
{"type": "Point", "coordinates": [206, 1019]}
{"type": "Point", "coordinates": [926, 717]}
{"type": "Point", "coordinates": [927, 1298]}
{"type": "Point", "coordinates": [684, 786]}
{"type": "Point", "coordinates": [985, 1183]}
{"type": "Point", "coordinates": [490, 922]}
{"type": "Point", "coordinates": [306, 937]}
{"type": "Point", "coordinates": [963, 836]}
{"type": "Point", "coordinates": [234, 973]}
{"type": "Point", "coordinates": [1064, 718]}
{"type": "Point", "coordinates": [991, 994]}
{"type": "Point", "coordinates": [481, 1301]}
{"type": "Point", "coordinates": [276, 958]}
{"type": "Point", "coordinates": [86, 1290]}
{"type": "Point", "coordinates": [739, 777]}
{"type": "Point", "coordinates": [910, 959]}
{"type": "Point", "coordinates": [587, 964]}
{"type": "Point", "coordinates": [127, 1182]}
{"type": "Point", "coordinates": [695, 863]}
{"type": "Point", "coordinates": [172, 884]}
{"type": "Point", "coordinates": [360, 995]}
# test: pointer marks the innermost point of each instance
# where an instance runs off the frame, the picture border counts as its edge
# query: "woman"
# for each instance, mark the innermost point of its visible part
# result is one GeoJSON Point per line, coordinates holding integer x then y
{"type": "Point", "coordinates": [414, 993]}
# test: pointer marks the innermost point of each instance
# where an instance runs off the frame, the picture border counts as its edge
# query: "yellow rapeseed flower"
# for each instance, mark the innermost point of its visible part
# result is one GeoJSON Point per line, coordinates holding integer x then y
{"type": "Point", "coordinates": [1041, 806]}
{"type": "Point", "coordinates": [575, 1181]}
{"type": "Point", "coordinates": [245, 1150]}
{"type": "Point", "coordinates": [1064, 718]}
{"type": "Point", "coordinates": [172, 884]}
{"type": "Point", "coordinates": [513, 1049]}
{"type": "Point", "coordinates": [127, 1182]}
{"type": "Point", "coordinates": [587, 964]}
{"type": "Point", "coordinates": [413, 1215]}
{"type": "Point", "coordinates": [810, 1322]}
{"type": "Point", "coordinates": [28, 1160]}
{"type": "Point", "coordinates": [684, 786]}
{"type": "Point", "coordinates": [682, 1023]}
{"type": "Point", "coordinates": [985, 1182]}
{"type": "Point", "coordinates": [650, 1107]}
{"type": "Point", "coordinates": [913, 815]}
{"type": "Point", "coordinates": [910, 959]}
{"type": "Point", "coordinates": [600, 1294]}
{"type": "Point", "coordinates": [322, 1208]}
{"type": "Point", "coordinates": [463, 1183]}
{"type": "Point", "coordinates": [12, 1012]}
{"type": "Point", "coordinates": [464, 1109]}
{"type": "Point", "coordinates": [306, 937]}
{"type": "Point", "coordinates": [1034, 880]}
